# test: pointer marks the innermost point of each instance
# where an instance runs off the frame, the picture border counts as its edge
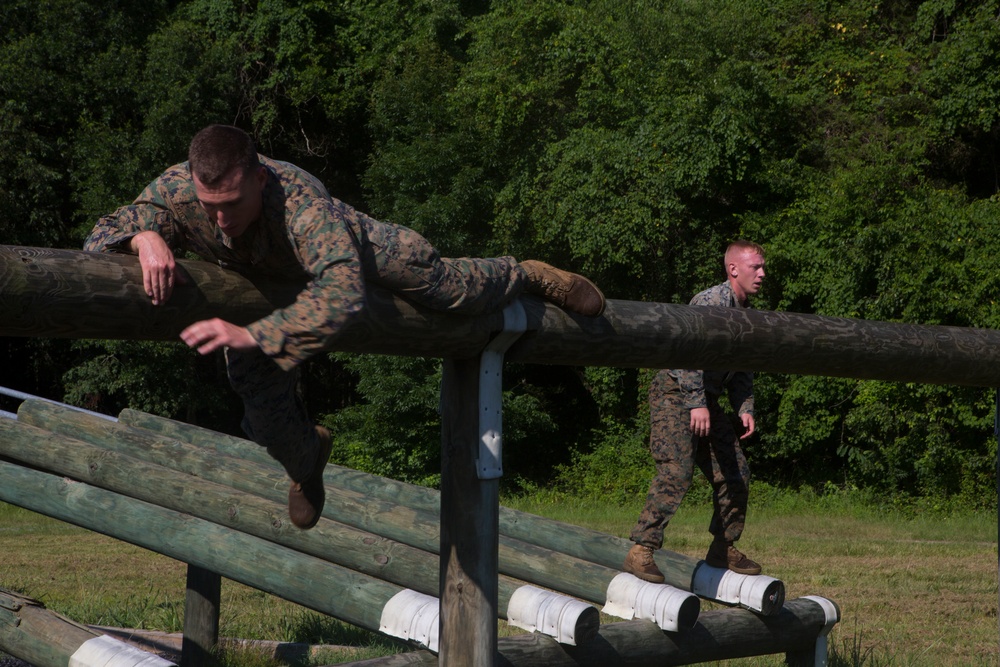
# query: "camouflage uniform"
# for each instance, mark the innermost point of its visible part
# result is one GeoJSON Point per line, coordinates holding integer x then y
{"type": "Point", "coordinates": [305, 234]}
{"type": "Point", "coordinates": [676, 450]}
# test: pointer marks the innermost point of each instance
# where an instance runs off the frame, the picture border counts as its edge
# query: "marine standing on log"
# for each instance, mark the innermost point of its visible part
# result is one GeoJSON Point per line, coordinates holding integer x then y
{"type": "Point", "coordinates": [689, 426]}
{"type": "Point", "coordinates": [252, 214]}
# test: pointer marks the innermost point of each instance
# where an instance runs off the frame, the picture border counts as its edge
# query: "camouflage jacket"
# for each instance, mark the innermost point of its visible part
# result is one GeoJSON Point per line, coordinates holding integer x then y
{"type": "Point", "coordinates": [303, 234]}
{"type": "Point", "coordinates": [696, 384]}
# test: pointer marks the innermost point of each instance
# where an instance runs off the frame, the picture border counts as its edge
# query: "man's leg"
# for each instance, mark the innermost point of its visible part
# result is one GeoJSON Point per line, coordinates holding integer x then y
{"type": "Point", "coordinates": [402, 260]}
{"type": "Point", "coordinates": [725, 465]}
{"type": "Point", "coordinates": [672, 446]}
{"type": "Point", "coordinates": [275, 417]}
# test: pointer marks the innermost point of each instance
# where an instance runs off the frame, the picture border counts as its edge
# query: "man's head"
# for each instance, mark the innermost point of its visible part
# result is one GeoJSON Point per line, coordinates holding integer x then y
{"type": "Point", "coordinates": [744, 268]}
{"type": "Point", "coordinates": [228, 177]}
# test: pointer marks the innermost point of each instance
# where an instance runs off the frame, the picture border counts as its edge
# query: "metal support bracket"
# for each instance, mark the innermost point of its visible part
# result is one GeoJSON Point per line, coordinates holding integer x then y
{"type": "Point", "coordinates": [832, 613]}
{"type": "Point", "coordinates": [489, 465]}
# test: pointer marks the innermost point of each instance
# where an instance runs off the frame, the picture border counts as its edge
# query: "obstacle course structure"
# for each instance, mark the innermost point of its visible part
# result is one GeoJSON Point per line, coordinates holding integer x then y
{"type": "Point", "coordinates": [51, 293]}
{"type": "Point", "coordinates": [220, 508]}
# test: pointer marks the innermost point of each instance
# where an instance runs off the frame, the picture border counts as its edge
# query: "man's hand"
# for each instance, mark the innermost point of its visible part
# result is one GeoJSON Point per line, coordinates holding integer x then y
{"type": "Point", "coordinates": [749, 425]}
{"type": "Point", "coordinates": [209, 335]}
{"type": "Point", "coordinates": [159, 271]}
{"type": "Point", "coordinates": [701, 422]}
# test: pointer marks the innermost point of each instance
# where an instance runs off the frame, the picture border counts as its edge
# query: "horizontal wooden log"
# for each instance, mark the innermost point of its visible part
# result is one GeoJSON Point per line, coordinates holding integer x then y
{"type": "Point", "coordinates": [312, 582]}
{"type": "Point", "coordinates": [332, 541]}
{"type": "Point", "coordinates": [543, 567]}
{"type": "Point", "coordinates": [41, 637]}
{"type": "Point", "coordinates": [719, 635]}
{"type": "Point", "coordinates": [67, 293]}
{"type": "Point", "coordinates": [51, 293]}
{"type": "Point", "coordinates": [519, 530]}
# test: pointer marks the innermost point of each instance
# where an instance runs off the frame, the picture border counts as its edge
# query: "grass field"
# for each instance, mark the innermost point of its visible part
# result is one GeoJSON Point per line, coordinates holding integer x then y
{"type": "Point", "coordinates": [914, 589]}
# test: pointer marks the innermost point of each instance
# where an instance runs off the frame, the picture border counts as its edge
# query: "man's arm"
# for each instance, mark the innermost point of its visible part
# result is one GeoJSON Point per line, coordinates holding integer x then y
{"type": "Point", "coordinates": [740, 392]}
{"type": "Point", "coordinates": [328, 251]}
{"type": "Point", "coordinates": [159, 269]}
{"type": "Point", "coordinates": [692, 385]}
{"type": "Point", "coordinates": [146, 228]}
{"type": "Point", "coordinates": [210, 335]}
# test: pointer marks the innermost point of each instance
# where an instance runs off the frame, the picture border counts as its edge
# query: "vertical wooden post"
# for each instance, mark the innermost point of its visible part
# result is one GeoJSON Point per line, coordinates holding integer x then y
{"type": "Point", "coordinates": [469, 527]}
{"type": "Point", "coordinates": [201, 617]}
{"type": "Point", "coordinates": [996, 435]}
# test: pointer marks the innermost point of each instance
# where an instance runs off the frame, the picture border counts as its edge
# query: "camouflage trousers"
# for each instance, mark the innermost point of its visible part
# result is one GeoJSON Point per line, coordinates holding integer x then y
{"type": "Point", "coordinates": [676, 451]}
{"type": "Point", "coordinates": [402, 261]}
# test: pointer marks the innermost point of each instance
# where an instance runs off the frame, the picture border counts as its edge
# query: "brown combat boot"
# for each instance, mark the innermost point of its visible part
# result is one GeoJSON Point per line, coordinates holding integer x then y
{"type": "Point", "coordinates": [723, 554]}
{"type": "Point", "coordinates": [639, 562]}
{"type": "Point", "coordinates": [567, 290]}
{"type": "Point", "coordinates": [306, 498]}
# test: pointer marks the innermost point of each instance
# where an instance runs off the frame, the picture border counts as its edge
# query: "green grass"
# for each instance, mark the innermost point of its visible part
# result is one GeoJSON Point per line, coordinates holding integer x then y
{"type": "Point", "coordinates": [915, 588]}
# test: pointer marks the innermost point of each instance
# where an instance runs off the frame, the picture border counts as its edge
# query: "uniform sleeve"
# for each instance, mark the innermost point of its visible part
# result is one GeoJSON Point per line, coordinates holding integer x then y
{"type": "Point", "coordinates": [334, 295]}
{"type": "Point", "coordinates": [741, 392]}
{"type": "Point", "coordinates": [150, 212]}
{"type": "Point", "coordinates": [692, 384]}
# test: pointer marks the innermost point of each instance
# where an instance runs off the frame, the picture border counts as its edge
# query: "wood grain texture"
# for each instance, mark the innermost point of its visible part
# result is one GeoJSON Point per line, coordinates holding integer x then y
{"type": "Point", "coordinates": [72, 294]}
{"type": "Point", "coordinates": [358, 532]}
{"type": "Point", "coordinates": [312, 582]}
{"type": "Point", "coordinates": [526, 540]}
{"type": "Point", "coordinates": [469, 533]}
{"type": "Point", "coordinates": [37, 635]}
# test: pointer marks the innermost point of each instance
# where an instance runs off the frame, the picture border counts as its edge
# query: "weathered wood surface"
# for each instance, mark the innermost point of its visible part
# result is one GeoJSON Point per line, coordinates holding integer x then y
{"type": "Point", "coordinates": [418, 528]}
{"type": "Point", "coordinates": [312, 582]}
{"type": "Point", "coordinates": [53, 293]}
{"type": "Point", "coordinates": [718, 635]}
{"type": "Point", "coordinates": [520, 531]}
{"type": "Point", "coordinates": [469, 534]}
{"type": "Point", "coordinates": [67, 293]}
{"type": "Point", "coordinates": [37, 635]}
{"type": "Point", "coordinates": [201, 616]}
{"type": "Point", "coordinates": [358, 550]}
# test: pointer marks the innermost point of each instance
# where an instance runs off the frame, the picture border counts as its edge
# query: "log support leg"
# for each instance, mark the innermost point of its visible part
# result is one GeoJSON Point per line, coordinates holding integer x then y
{"type": "Point", "coordinates": [201, 617]}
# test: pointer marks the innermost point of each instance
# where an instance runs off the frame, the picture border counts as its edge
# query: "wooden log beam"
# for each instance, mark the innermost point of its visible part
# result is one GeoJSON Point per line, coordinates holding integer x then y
{"type": "Point", "coordinates": [418, 528]}
{"type": "Point", "coordinates": [71, 294]}
{"type": "Point", "coordinates": [335, 542]}
{"type": "Point", "coordinates": [407, 526]}
{"type": "Point", "coordinates": [50, 293]}
{"type": "Point", "coordinates": [520, 531]}
{"type": "Point", "coordinates": [43, 638]}
{"type": "Point", "coordinates": [312, 582]}
{"type": "Point", "coordinates": [26, 440]}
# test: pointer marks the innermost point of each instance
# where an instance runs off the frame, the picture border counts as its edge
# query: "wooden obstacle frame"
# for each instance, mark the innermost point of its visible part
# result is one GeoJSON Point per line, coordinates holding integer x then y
{"type": "Point", "coordinates": [52, 293]}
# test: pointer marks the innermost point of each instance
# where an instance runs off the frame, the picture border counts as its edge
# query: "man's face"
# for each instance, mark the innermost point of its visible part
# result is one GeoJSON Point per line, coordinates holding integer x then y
{"type": "Point", "coordinates": [235, 202]}
{"type": "Point", "coordinates": [746, 273]}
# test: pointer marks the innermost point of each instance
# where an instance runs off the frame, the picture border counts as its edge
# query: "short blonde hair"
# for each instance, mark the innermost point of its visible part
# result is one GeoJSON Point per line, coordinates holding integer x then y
{"type": "Point", "coordinates": [741, 246]}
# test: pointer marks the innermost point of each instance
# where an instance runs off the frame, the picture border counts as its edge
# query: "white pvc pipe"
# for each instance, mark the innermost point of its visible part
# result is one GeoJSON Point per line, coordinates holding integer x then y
{"type": "Point", "coordinates": [105, 651]}
{"type": "Point", "coordinates": [552, 614]}
{"type": "Point", "coordinates": [749, 591]}
{"type": "Point", "coordinates": [670, 608]}
{"type": "Point", "coordinates": [413, 617]}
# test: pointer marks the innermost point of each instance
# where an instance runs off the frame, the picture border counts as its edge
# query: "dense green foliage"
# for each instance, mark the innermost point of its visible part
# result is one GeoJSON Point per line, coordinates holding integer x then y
{"type": "Point", "coordinates": [630, 141]}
